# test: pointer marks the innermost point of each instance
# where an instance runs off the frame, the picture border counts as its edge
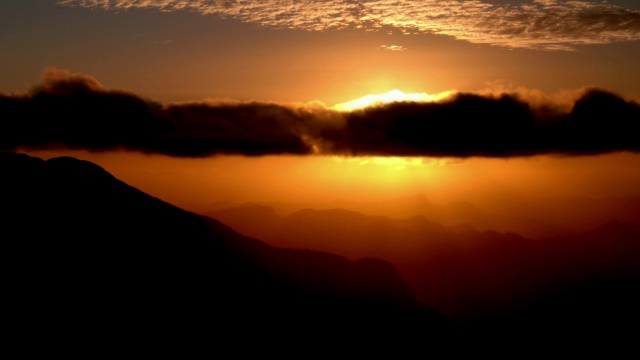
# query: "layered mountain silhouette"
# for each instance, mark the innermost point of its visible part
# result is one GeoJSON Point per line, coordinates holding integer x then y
{"type": "Point", "coordinates": [92, 260]}
{"type": "Point", "coordinates": [457, 269]}
{"type": "Point", "coordinates": [504, 210]}
{"type": "Point", "coordinates": [580, 283]}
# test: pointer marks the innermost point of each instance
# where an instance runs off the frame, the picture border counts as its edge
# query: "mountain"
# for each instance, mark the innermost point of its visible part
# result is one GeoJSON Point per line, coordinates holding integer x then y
{"type": "Point", "coordinates": [449, 214]}
{"type": "Point", "coordinates": [94, 266]}
{"type": "Point", "coordinates": [93, 262]}
{"type": "Point", "coordinates": [582, 283]}
{"type": "Point", "coordinates": [491, 208]}
{"type": "Point", "coordinates": [458, 270]}
{"type": "Point", "coordinates": [339, 229]}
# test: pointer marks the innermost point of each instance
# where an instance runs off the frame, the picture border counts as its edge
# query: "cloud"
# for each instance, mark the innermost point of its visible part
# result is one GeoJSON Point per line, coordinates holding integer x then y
{"type": "Point", "coordinates": [532, 24]}
{"type": "Point", "coordinates": [393, 47]}
{"type": "Point", "coordinates": [63, 82]}
{"type": "Point", "coordinates": [74, 111]}
{"type": "Point", "coordinates": [475, 125]}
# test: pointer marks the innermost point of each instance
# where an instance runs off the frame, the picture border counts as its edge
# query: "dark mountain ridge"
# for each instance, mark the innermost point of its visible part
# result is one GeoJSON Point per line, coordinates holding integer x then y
{"type": "Point", "coordinates": [95, 261]}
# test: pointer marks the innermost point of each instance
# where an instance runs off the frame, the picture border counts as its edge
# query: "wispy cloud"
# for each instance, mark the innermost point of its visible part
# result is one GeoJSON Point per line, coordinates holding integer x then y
{"type": "Point", "coordinates": [393, 47]}
{"type": "Point", "coordinates": [536, 24]}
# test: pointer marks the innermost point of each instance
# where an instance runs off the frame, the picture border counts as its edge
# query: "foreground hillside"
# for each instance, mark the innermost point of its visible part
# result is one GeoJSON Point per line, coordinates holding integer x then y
{"type": "Point", "coordinates": [95, 262]}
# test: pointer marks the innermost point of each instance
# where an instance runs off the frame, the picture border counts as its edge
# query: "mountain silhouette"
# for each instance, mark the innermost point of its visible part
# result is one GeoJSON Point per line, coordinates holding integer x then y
{"type": "Point", "coordinates": [457, 270]}
{"type": "Point", "coordinates": [95, 261]}
{"type": "Point", "coordinates": [582, 282]}
{"type": "Point", "coordinates": [535, 216]}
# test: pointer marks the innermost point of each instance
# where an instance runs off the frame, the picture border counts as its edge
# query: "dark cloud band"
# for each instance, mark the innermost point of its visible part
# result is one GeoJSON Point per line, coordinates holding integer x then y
{"type": "Point", "coordinates": [75, 111]}
{"type": "Point", "coordinates": [473, 125]}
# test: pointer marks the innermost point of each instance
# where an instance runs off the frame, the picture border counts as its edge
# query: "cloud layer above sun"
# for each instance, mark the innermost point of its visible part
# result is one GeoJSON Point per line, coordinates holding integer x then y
{"type": "Point", "coordinates": [532, 24]}
{"type": "Point", "coordinates": [75, 111]}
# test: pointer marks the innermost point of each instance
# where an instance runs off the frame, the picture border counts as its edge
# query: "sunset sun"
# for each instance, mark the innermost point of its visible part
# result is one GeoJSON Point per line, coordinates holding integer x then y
{"type": "Point", "coordinates": [394, 95]}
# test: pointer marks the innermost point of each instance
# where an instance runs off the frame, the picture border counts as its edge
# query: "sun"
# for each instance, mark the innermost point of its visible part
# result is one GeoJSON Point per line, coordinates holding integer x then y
{"type": "Point", "coordinates": [374, 175]}
{"type": "Point", "coordinates": [394, 95]}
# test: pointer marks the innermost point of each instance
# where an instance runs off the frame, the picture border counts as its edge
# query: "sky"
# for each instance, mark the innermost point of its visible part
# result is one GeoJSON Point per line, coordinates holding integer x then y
{"type": "Point", "coordinates": [195, 101]}
{"type": "Point", "coordinates": [330, 51]}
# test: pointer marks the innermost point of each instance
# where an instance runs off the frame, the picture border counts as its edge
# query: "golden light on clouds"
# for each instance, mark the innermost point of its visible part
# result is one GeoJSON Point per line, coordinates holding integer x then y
{"type": "Point", "coordinates": [389, 97]}
{"type": "Point", "coordinates": [393, 47]}
{"type": "Point", "coordinates": [392, 163]}
{"type": "Point", "coordinates": [537, 24]}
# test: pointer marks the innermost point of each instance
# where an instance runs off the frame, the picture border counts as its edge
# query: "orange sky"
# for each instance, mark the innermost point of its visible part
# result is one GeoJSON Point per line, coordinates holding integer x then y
{"type": "Point", "coordinates": [195, 184]}
{"type": "Point", "coordinates": [175, 60]}
{"type": "Point", "coordinates": [331, 51]}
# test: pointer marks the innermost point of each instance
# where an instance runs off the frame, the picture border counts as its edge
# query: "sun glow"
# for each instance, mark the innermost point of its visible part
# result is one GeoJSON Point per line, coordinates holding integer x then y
{"type": "Point", "coordinates": [389, 97]}
{"type": "Point", "coordinates": [392, 162]}
{"type": "Point", "coordinates": [375, 175]}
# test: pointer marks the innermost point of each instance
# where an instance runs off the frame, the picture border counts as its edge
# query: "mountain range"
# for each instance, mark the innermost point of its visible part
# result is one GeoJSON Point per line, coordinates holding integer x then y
{"type": "Point", "coordinates": [582, 282]}
{"type": "Point", "coordinates": [96, 265]}
{"type": "Point", "coordinates": [92, 261]}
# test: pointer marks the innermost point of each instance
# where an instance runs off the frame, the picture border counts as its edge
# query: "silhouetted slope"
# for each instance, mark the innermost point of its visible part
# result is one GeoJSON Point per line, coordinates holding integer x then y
{"type": "Point", "coordinates": [598, 304]}
{"type": "Point", "coordinates": [501, 285]}
{"type": "Point", "coordinates": [258, 221]}
{"type": "Point", "coordinates": [610, 249]}
{"type": "Point", "coordinates": [93, 260]}
{"type": "Point", "coordinates": [457, 270]}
